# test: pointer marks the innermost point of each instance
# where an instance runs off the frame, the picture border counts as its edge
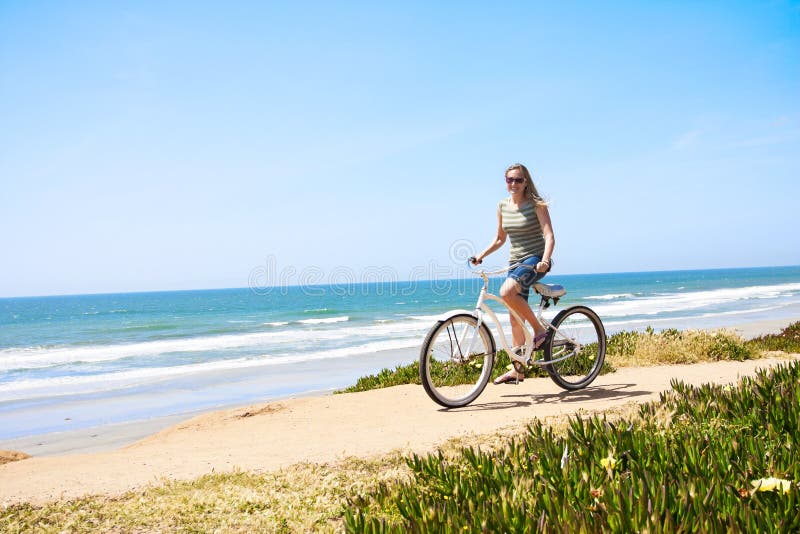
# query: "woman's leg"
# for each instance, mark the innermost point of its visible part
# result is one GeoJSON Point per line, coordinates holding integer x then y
{"type": "Point", "coordinates": [509, 292]}
{"type": "Point", "coordinates": [517, 334]}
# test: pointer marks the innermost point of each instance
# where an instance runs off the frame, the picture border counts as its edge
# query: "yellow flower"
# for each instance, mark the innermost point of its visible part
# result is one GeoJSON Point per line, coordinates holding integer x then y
{"type": "Point", "coordinates": [772, 484]}
{"type": "Point", "coordinates": [608, 462]}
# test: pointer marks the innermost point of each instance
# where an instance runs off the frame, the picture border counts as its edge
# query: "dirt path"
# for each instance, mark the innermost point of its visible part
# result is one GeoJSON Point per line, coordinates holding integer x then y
{"type": "Point", "coordinates": [325, 429]}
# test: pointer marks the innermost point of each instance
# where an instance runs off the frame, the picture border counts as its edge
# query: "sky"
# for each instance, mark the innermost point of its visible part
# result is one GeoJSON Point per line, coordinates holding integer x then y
{"type": "Point", "coordinates": [188, 145]}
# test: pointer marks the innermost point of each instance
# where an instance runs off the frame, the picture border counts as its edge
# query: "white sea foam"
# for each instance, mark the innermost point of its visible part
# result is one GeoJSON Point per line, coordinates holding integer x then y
{"type": "Point", "coordinates": [72, 385]}
{"type": "Point", "coordinates": [738, 312]}
{"type": "Point", "coordinates": [427, 318]}
{"type": "Point", "coordinates": [327, 320]}
{"type": "Point", "coordinates": [611, 296]}
{"type": "Point", "coordinates": [39, 357]}
{"type": "Point", "coordinates": [616, 325]}
{"type": "Point", "coordinates": [676, 302]}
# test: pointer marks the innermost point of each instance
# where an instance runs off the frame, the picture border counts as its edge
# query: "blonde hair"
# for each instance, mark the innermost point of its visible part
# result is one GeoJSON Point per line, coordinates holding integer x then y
{"type": "Point", "coordinates": [530, 189]}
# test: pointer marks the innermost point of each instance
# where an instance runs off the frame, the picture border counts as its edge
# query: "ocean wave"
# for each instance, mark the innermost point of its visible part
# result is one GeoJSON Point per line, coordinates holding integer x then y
{"type": "Point", "coordinates": [677, 302]}
{"type": "Point", "coordinates": [427, 318]}
{"type": "Point", "coordinates": [673, 320]}
{"type": "Point", "coordinates": [146, 328]}
{"type": "Point", "coordinates": [322, 311]}
{"type": "Point", "coordinates": [737, 312]}
{"type": "Point", "coordinates": [276, 336]}
{"type": "Point", "coordinates": [611, 296]}
{"type": "Point", "coordinates": [83, 384]}
{"type": "Point", "coordinates": [327, 320]}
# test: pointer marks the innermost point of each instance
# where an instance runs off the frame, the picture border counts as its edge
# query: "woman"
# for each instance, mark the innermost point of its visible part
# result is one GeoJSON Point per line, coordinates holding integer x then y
{"type": "Point", "coordinates": [523, 218]}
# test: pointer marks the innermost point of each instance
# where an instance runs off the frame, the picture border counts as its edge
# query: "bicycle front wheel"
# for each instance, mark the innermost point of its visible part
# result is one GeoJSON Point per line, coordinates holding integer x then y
{"type": "Point", "coordinates": [456, 360]}
{"type": "Point", "coordinates": [577, 348]}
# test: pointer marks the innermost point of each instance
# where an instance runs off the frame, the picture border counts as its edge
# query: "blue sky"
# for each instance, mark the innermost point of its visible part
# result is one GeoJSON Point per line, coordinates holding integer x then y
{"type": "Point", "coordinates": [147, 146]}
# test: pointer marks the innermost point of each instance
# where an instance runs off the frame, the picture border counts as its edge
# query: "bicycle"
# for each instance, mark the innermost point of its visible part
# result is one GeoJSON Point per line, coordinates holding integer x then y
{"type": "Point", "coordinates": [458, 354]}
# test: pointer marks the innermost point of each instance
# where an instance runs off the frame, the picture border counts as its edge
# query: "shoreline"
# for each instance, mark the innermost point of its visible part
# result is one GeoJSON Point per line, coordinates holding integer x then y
{"type": "Point", "coordinates": [189, 396]}
{"type": "Point", "coordinates": [112, 436]}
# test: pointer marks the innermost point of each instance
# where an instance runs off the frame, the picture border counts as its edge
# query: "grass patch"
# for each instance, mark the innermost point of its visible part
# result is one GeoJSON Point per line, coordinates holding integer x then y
{"type": "Point", "coordinates": [672, 346]}
{"type": "Point", "coordinates": [624, 349]}
{"type": "Point", "coordinates": [303, 498]}
{"type": "Point", "coordinates": [714, 458]}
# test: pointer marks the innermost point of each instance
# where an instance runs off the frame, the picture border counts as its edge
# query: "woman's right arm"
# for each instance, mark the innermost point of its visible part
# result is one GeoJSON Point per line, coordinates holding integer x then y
{"type": "Point", "coordinates": [498, 241]}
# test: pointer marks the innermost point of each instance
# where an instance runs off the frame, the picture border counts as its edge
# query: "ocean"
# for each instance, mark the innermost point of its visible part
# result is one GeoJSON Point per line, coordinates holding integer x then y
{"type": "Point", "coordinates": [72, 362]}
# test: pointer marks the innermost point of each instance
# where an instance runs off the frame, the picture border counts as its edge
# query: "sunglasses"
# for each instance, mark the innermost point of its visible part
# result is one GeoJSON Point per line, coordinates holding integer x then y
{"type": "Point", "coordinates": [514, 180]}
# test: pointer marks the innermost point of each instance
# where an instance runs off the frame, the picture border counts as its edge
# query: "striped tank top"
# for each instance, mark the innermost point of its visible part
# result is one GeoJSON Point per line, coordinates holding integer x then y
{"type": "Point", "coordinates": [523, 229]}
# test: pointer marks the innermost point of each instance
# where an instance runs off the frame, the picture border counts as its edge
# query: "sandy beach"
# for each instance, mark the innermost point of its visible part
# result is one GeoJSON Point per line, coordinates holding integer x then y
{"type": "Point", "coordinates": [322, 429]}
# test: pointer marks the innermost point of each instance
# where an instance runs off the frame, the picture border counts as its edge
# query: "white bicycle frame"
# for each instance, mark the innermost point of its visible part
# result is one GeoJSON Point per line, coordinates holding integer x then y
{"type": "Point", "coordinates": [482, 309]}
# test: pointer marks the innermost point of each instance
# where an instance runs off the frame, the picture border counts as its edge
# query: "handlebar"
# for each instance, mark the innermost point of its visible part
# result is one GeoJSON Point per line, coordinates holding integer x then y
{"type": "Point", "coordinates": [501, 271]}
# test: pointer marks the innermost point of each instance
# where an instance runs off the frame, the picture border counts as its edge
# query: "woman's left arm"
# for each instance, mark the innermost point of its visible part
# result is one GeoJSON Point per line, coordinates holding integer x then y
{"type": "Point", "coordinates": [549, 239]}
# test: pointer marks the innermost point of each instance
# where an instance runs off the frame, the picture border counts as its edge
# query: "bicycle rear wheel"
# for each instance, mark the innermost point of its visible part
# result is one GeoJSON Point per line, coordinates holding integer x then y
{"type": "Point", "coordinates": [456, 360]}
{"type": "Point", "coordinates": [577, 348]}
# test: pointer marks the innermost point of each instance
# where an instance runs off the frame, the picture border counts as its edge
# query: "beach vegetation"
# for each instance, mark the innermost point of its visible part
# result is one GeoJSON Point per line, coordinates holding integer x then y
{"type": "Point", "coordinates": [709, 458]}
{"type": "Point", "coordinates": [402, 374]}
{"type": "Point", "coordinates": [788, 340]}
{"type": "Point", "coordinates": [672, 346]}
{"type": "Point", "coordinates": [306, 497]}
{"type": "Point", "coordinates": [409, 374]}
{"type": "Point", "coordinates": [623, 349]}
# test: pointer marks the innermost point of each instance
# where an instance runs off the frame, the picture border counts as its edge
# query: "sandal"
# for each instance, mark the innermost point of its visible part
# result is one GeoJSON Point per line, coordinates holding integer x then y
{"type": "Point", "coordinates": [510, 377]}
{"type": "Point", "coordinates": [538, 341]}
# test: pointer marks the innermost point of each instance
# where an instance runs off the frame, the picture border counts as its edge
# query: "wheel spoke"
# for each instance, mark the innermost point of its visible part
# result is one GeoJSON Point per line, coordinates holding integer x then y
{"type": "Point", "coordinates": [577, 348]}
{"type": "Point", "coordinates": [456, 360]}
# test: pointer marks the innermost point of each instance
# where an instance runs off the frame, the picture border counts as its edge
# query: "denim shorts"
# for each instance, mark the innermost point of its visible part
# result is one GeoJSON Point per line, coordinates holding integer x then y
{"type": "Point", "coordinates": [527, 276]}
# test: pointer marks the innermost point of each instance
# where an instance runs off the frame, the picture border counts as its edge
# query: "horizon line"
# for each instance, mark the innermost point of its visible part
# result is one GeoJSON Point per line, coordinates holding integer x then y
{"type": "Point", "coordinates": [350, 283]}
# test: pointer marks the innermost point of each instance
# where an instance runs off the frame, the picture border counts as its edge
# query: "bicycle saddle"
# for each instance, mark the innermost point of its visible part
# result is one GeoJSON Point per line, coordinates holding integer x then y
{"type": "Point", "coordinates": [549, 290]}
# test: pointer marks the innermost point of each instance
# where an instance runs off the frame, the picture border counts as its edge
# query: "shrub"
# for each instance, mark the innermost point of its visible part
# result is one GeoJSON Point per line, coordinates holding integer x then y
{"type": "Point", "coordinates": [787, 341]}
{"type": "Point", "coordinates": [402, 374]}
{"type": "Point", "coordinates": [729, 348]}
{"type": "Point", "coordinates": [673, 346]}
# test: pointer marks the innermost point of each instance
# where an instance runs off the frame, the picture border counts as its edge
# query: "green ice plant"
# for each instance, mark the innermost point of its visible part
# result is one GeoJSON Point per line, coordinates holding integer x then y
{"type": "Point", "coordinates": [694, 460]}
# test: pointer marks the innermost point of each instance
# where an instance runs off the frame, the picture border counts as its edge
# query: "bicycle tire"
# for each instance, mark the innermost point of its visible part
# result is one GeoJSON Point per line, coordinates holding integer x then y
{"type": "Point", "coordinates": [582, 324]}
{"type": "Point", "coordinates": [451, 378]}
